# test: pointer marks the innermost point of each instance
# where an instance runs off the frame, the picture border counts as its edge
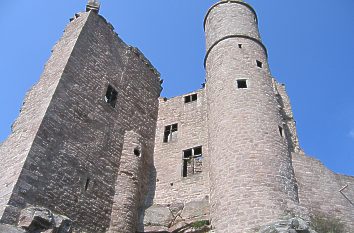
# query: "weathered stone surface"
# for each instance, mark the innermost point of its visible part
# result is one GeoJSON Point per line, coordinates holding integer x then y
{"type": "Point", "coordinates": [177, 217]}
{"type": "Point", "coordinates": [319, 190]}
{"type": "Point", "coordinates": [10, 229]}
{"type": "Point", "coordinates": [191, 119]}
{"type": "Point", "coordinates": [38, 219]}
{"type": "Point", "coordinates": [294, 225]}
{"type": "Point", "coordinates": [195, 210]}
{"type": "Point", "coordinates": [158, 216]}
{"type": "Point", "coordinates": [101, 164]}
{"type": "Point", "coordinates": [68, 159]}
{"type": "Point", "coordinates": [252, 178]}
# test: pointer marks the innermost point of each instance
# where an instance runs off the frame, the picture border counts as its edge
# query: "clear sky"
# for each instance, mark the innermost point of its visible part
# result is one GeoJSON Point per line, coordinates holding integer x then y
{"type": "Point", "coordinates": [310, 45]}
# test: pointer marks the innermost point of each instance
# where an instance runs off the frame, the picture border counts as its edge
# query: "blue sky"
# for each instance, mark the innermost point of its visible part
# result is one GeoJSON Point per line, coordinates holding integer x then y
{"type": "Point", "coordinates": [310, 45]}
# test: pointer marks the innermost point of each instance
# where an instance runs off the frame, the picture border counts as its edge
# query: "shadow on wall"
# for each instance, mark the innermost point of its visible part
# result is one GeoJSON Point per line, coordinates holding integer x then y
{"type": "Point", "coordinates": [149, 199]}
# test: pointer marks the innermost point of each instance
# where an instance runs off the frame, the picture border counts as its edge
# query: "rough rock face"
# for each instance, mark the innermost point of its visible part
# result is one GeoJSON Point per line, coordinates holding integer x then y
{"type": "Point", "coordinates": [10, 229]}
{"type": "Point", "coordinates": [294, 225]}
{"type": "Point", "coordinates": [179, 217]}
{"type": "Point", "coordinates": [36, 219]}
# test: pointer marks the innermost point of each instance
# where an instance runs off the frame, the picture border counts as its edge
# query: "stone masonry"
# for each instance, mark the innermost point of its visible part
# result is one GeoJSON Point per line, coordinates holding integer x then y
{"type": "Point", "coordinates": [96, 149]}
{"type": "Point", "coordinates": [68, 162]}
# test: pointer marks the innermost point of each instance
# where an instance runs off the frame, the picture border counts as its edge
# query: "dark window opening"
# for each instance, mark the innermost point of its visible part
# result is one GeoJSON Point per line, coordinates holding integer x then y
{"type": "Point", "coordinates": [187, 99]}
{"type": "Point", "coordinates": [259, 64]}
{"type": "Point", "coordinates": [198, 151]}
{"type": "Point", "coordinates": [87, 183]}
{"type": "Point", "coordinates": [242, 83]}
{"type": "Point", "coordinates": [192, 161]}
{"type": "Point", "coordinates": [137, 152]}
{"type": "Point", "coordinates": [194, 97]}
{"type": "Point", "coordinates": [240, 46]}
{"type": "Point", "coordinates": [190, 98]}
{"type": "Point", "coordinates": [187, 153]}
{"type": "Point", "coordinates": [185, 168]}
{"type": "Point", "coordinates": [111, 96]}
{"type": "Point", "coordinates": [170, 133]}
{"type": "Point", "coordinates": [281, 131]}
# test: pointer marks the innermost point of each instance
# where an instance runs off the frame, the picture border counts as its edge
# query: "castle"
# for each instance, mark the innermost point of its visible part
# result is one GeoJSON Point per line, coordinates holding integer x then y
{"type": "Point", "coordinates": [96, 149]}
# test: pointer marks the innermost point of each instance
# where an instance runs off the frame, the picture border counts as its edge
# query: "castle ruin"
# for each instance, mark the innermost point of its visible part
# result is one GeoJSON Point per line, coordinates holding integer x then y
{"type": "Point", "coordinates": [96, 149]}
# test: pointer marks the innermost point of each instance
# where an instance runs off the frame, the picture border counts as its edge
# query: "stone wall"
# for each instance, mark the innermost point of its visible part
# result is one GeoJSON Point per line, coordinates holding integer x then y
{"type": "Point", "coordinates": [289, 123]}
{"type": "Point", "coordinates": [179, 188]}
{"type": "Point", "coordinates": [127, 199]}
{"type": "Point", "coordinates": [252, 179]}
{"type": "Point", "coordinates": [14, 150]}
{"type": "Point", "coordinates": [191, 117]}
{"type": "Point", "coordinates": [319, 190]}
{"type": "Point", "coordinates": [72, 164]}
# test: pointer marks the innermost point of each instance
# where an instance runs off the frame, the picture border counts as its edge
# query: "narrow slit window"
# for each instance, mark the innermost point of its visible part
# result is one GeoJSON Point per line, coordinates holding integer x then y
{"type": "Point", "coordinates": [170, 133]}
{"type": "Point", "coordinates": [240, 46]}
{"type": "Point", "coordinates": [242, 83]}
{"type": "Point", "coordinates": [281, 131]}
{"type": "Point", "coordinates": [190, 98]}
{"type": "Point", "coordinates": [87, 184]}
{"type": "Point", "coordinates": [259, 64]}
{"type": "Point", "coordinates": [185, 168]}
{"type": "Point", "coordinates": [111, 96]}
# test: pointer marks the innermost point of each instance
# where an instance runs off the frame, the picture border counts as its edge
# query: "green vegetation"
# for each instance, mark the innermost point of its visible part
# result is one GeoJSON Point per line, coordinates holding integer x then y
{"type": "Point", "coordinates": [326, 224]}
{"type": "Point", "coordinates": [200, 224]}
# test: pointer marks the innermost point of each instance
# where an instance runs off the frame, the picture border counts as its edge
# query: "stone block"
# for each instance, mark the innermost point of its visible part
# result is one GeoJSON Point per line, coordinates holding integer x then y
{"type": "Point", "coordinates": [10, 229]}
{"type": "Point", "coordinates": [196, 209]}
{"type": "Point", "coordinates": [158, 216]}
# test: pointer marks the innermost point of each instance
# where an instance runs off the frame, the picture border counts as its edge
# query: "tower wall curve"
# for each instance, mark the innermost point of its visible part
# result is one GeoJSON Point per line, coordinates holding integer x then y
{"type": "Point", "coordinates": [252, 178]}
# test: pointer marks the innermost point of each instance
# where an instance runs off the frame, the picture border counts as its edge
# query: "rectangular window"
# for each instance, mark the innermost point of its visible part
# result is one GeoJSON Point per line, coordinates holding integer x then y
{"type": "Point", "coordinates": [240, 46]}
{"type": "Point", "coordinates": [190, 98]}
{"type": "Point", "coordinates": [242, 83]}
{"type": "Point", "coordinates": [111, 96]}
{"type": "Point", "coordinates": [259, 64]}
{"type": "Point", "coordinates": [170, 133]}
{"type": "Point", "coordinates": [192, 161]}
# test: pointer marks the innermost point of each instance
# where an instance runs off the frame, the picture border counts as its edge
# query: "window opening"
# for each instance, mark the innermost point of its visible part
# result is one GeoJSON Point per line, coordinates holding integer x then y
{"type": "Point", "coordinates": [281, 131]}
{"type": "Point", "coordinates": [185, 168]}
{"type": "Point", "coordinates": [111, 96]}
{"type": "Point", "coordinates": [240, 46]}
{"type": "Point", "coordinates": [192, 162]}
{"type": "Point", "coordinates": [87, 183]}
{"type": "Point", "coordinates": [190, 98]}
{"type": "Point", "coordinates": [198, 151]}
{"type": "Point", "coordinates": [137, 152]}
{"type": "Point", "coordinates": [170, 133]}
{"type": "Point", "coordinates": [242, 83]}
{"type": "Point", "coordinates": [259, 64]}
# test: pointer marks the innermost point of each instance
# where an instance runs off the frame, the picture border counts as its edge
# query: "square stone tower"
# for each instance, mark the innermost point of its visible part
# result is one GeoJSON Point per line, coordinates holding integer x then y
{"type": "Point", "coordinates": [93, 110]}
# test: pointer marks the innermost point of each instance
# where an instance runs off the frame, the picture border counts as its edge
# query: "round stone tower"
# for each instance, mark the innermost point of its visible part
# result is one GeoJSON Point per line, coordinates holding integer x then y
{"type": "Point", "coordinates": [252, 178]}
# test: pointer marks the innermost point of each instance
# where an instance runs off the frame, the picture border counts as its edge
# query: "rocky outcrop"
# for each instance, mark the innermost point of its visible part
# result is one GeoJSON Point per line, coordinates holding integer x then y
{"type": "Point", "coordinates": [294, 225]}
{"type": "Point", "coordinates": [10, 229]}
{"type": "Point", "coordinates": [37, 219]}
{"type": "Point", "coordinates": [190, 217]}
